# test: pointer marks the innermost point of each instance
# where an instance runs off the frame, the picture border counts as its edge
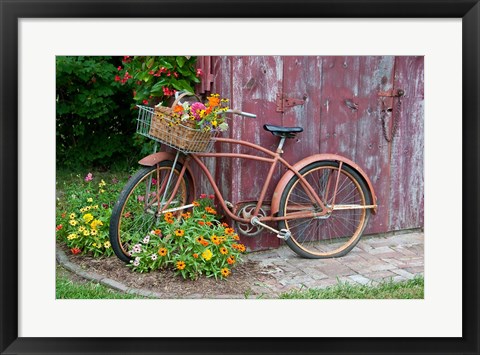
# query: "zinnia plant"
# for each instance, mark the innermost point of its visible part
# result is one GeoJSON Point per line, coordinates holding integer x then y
{"type": "Point", "coordinates": [191, 244]}
{"type": "Point", "coordinates": [83, 223]}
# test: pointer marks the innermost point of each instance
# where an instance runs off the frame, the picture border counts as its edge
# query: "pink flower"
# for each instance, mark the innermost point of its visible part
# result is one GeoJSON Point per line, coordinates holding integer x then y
{"type": "Point", "coordinates": [154, 181]}
{"type": "Point", "coordinates": [119, 68]}
{"type": "Point", "coordinates": [89, 177]}
{"type": "Point", "coordinates": [199, 72]}
{"type": "Point", "coordinates": [211, 197]}
{"type": "Point", "coordinates": [196, 108]}
{"type": "Point", "coordinates": [203, 196]}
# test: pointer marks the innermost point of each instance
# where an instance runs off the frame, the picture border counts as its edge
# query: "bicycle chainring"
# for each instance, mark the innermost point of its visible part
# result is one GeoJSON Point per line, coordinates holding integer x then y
{"type": "Point", "coordinates": [248, 229]}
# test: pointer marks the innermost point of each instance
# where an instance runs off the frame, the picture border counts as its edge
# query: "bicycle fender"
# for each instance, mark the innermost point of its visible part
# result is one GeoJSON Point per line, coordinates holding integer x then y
{"type": "Point", "coordinates": [155, 158]}
{"type": "Point", "coordinates": [277, 194]}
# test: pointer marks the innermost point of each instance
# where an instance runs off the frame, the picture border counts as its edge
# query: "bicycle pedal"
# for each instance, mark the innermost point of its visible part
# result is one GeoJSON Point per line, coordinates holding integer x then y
{"type": "Point", "coordinates": [284, 234]}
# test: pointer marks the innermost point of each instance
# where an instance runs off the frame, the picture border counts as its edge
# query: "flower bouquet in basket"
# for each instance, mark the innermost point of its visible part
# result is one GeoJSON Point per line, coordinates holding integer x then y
{"type": "Point", "coordinates": [188, 125]}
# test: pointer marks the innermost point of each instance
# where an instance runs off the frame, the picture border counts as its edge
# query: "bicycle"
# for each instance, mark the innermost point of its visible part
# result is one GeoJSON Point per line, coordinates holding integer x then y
{"type": "Point", "coordinates": [321, 204]}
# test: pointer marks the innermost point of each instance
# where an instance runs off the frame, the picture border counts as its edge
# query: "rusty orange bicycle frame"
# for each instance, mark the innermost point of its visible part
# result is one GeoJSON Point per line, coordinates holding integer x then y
{"type": "Point", "coordinates": [274, 159]}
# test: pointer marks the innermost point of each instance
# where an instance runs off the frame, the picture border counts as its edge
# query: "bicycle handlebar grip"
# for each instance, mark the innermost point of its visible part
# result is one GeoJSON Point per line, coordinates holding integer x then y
{"type": "Point", "coordinates": [241, 113]}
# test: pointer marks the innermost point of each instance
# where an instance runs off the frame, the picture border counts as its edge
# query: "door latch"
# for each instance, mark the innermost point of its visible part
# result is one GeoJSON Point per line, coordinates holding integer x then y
{"type": "Point", "coordinates": [392, 93]}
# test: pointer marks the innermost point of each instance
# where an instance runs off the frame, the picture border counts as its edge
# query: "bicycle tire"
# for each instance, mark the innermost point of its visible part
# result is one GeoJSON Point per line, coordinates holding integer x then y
{"type": "Point", "coordinates": [132, 216]}
{"type": "Point", "coordinates": [336, 233]}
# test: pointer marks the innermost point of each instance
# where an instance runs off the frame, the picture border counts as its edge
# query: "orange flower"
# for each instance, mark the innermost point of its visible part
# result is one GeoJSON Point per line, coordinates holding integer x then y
{"type": "Point", "coordinates": [210, 210]}
{"type": "Point", "coordinates": [239, 247]}
{"type": "Point", "coordinates": [162, 251]}
{"type": "Point", "coordinates": [195, 204]}
{"type": "Point", "coordinates": [202, 223]}
{"type": "Point", "coordinates": [169, 220]}
{"type": "Point", "coordinates": [180, 265]}
{"type": "Point", "coordinates": [209, 224]}
{"type": "Point", "coordinates": [213, 101]}
{"type": "Point", "coordinates": [224, 224]}
{"type": "Point", "coordinates": [229, 230]}
{"type": "Point", "coordinates": [179, 232]}
{"type": "Point", "coordinates": [231, 260]}
{"type": "Point", "coordinates": [215, 240]}
{"type": "Point", "coordinates": [236, 237]}
{"type": "Point", "coordinates": [195, 255]}
{"type": "Point", "coordinates": [225, 272]}
{"type": "Point", "coordinates": [204, 243]}
{"type": "Point", "coordinates": [186, 215]}
{"type": "Point", "coordinates": [168, 215]}
{"type": "Point", "coordinates": [178, 109]}
{"type": "Point", "coordinates": [157, 232]}
{"type": "Point", "coordinates": [223, 250]}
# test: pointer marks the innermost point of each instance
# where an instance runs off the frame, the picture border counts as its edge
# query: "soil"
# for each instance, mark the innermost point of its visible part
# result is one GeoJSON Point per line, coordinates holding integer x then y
{"type": "Point", "coordinates": [241, 283]}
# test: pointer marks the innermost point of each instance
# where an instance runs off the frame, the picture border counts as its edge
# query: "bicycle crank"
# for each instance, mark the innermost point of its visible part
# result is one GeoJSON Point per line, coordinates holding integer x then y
{"type": "Point", "coordinates": [282, 234]}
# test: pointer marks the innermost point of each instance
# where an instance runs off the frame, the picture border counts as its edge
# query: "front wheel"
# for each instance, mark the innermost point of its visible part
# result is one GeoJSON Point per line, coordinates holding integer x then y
{"type": "Point", "coordinates": [337, 232]}
{"type": "Point", "coordinates": [135, 214]}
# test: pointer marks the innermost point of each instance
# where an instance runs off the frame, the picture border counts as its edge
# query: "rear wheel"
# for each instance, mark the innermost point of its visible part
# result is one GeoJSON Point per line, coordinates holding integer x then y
{"type": "Point", "coordinates": [136, 212]}
{"type": "Point", "coordinates": [337, 232]}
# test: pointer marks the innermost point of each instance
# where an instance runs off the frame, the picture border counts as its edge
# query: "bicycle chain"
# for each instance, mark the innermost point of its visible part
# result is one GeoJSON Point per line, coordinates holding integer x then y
{"type": "Point", "coordinates": [395, 116]}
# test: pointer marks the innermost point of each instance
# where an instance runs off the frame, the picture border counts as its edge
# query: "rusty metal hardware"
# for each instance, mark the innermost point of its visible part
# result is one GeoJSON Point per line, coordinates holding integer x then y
{"type": "Point", "coordinates": [395, 115]}
{"type": "Point", "coordinates": [391, 93]}
{"type": "Point", "coordinates": [284, 102]}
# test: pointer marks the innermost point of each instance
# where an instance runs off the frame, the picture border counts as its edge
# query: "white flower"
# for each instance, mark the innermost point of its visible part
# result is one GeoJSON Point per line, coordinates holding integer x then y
{"type": "Point", "coordinates": [136, 263]}
{"type": "Point", "coordinates": [154, 256]}
{"type": "Point", "coordinates": [146, 239]}
{"type": "Point", "coordinates": [223, 126]}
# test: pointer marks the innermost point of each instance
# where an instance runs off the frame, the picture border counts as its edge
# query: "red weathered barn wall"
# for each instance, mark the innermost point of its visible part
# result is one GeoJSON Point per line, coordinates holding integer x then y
{"type": "Point", "coordinates": [341, 114]}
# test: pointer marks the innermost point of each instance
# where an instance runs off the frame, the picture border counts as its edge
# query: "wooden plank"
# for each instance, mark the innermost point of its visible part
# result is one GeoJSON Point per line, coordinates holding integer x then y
{"type": "Point", "coordinates": [376, 74]}
{"type": "Point", "coordinates": [407, 182]}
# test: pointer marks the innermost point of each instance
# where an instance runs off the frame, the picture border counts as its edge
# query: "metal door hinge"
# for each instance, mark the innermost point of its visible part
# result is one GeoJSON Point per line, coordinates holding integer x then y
{"type": "Point", "coordinates": [284, 102]}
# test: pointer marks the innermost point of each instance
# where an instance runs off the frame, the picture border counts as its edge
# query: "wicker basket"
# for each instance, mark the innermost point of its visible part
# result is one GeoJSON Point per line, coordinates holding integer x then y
{"type": "Point", "coordinates": [160, 124]}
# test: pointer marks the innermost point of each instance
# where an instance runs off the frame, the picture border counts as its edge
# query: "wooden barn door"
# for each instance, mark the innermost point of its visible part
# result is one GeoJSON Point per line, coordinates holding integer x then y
{"type": "Point", "coordinates": [346, 105]}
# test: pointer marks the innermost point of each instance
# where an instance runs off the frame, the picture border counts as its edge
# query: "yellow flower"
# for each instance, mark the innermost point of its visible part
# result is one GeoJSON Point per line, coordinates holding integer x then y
{"type": "Point", "coordinates": [101, 191]}
{"type": "Point", "coordinates": [95, 224]}
{"type": "Point", "coordinates": [72, 215]}
{"type": "Point", "coordinates": [89, 199]}
{"type": "Point", "coordinates": [223, 250]}
{"type": "Point", "coordinates": [181, 265]}
{"type": "Point", "coordinates": [225, 272]}
{"type": "Point", "coordinates": [102, 183]}
{"type": "Point", "coordinates": [81, 229]}
{"type": "Point", "coordinates": [179, 232]}
{"type": "Point", "coordinates": [207, 254]}
{"type": "Point", "coordinates": [72, 236]}
{"type": "Point", "coordinates": [93, 232]}
{"type": "Point", "coordinates": [107, 245]}
{"type": "Point", "coordinates": [86, 233]}
{"type": "Point", "coordinates": [83, 210]}
{"type": "Point", "coordinates": [87, 217]}
{"type": "Point", "coordinates": [73, 222]}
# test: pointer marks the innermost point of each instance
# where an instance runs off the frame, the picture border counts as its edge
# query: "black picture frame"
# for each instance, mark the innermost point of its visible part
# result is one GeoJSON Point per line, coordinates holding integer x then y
{"type": "Point", "coordinates": [12, 11]}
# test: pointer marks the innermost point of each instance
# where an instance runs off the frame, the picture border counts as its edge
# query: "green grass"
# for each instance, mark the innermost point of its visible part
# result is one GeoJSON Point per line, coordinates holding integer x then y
{"type": "Point", "coordinates": [69, 289]}
{"type": "Point", "coordinates": [411, 289]}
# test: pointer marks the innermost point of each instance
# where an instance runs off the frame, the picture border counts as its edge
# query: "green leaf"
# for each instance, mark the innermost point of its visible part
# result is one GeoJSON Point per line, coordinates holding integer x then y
{"type": "Point", "coordinates": [181, 61]}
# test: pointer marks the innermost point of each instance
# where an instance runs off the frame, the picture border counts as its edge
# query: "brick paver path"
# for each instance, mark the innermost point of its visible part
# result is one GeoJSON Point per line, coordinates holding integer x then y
{"type": "Point", "coordinates": [398, 257]}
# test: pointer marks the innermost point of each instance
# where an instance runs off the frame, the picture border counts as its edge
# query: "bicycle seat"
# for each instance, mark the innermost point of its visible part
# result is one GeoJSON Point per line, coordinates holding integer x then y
{"type": "Point", "coordinates": [280, 131]}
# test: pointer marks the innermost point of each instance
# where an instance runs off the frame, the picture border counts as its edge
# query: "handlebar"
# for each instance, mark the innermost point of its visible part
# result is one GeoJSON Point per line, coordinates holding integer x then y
{"type": "Point", "coordinates": [241, 113]}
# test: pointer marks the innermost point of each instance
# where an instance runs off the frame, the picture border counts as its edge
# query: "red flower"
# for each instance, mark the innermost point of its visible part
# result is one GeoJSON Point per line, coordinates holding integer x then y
{"type": "Point", "coordinates": [203, 196]}
{"type": "Point", "coordinates": [75, 251]}
{"type": "Point", "coordinates": [145, 102]}
{"type": "Point", "coordinates": [59, 227]}
{"type": "Point", "coordinates": [119, 68]}
{"type": "Point", "coordinates": [211, 197]}
{"type": "Point", "coordinates": [117, 78]}
{"type": "Point", "coordinates": [199, 72]}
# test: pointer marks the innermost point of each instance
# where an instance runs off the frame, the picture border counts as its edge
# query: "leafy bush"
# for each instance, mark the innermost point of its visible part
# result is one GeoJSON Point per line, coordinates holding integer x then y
{"type": "Point", "coordinates": [95, 104]}
{"type": "Point", "coordinates": [93, 113]}
{"type": "Point", "coordinates": [155, 79]}
{"type": "Point", "coordinates": [83, 218]}
{"type": "Point", "coordinates": [194, 244]}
